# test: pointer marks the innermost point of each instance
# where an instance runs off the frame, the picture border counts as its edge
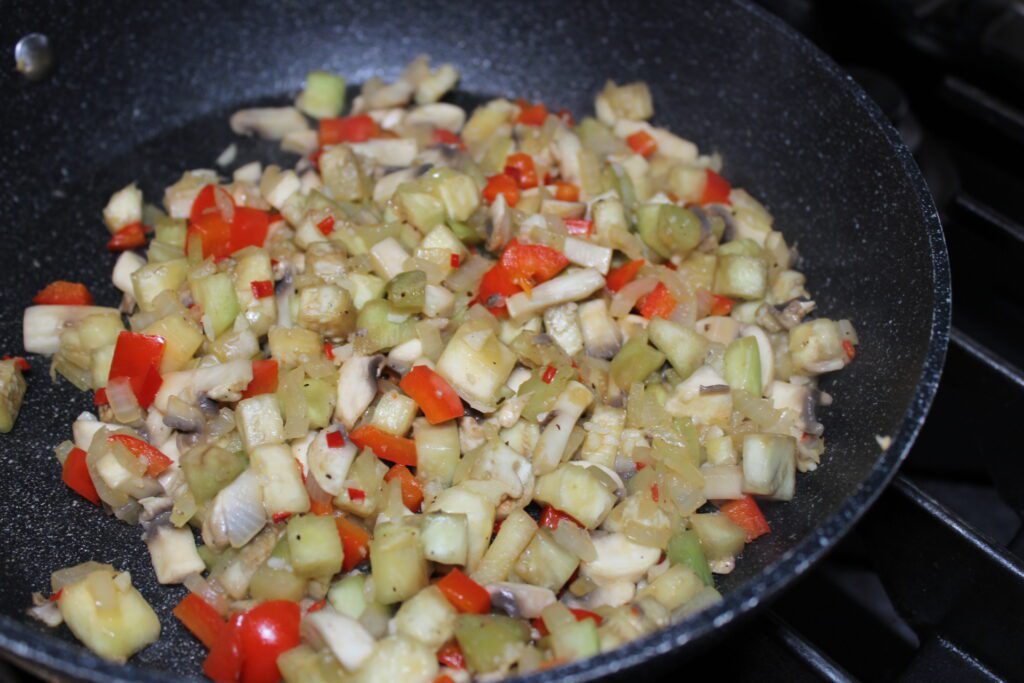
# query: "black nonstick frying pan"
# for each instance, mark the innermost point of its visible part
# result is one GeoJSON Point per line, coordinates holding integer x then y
{"type": "Point", "coordinates": [141, 92]}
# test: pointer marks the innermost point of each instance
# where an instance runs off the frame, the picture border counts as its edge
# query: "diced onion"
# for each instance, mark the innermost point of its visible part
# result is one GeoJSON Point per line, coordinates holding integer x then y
{"type": "Point", "coordinates": [625, 299]}
{"type": "Point", "coordinates": [576, 541]}
{"type": "Point", "coordinates": [209, 591]}
{"type": "Point", "coordinates": [69, 575]}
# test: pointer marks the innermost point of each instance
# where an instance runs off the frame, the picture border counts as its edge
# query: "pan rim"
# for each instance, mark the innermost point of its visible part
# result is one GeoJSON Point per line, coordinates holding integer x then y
{"type": "Point", "coordinates": [50, 655]}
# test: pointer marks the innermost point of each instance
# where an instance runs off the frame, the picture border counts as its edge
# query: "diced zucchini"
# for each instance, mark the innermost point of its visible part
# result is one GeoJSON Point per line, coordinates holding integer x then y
{"type": "Point", "coordinates": [398, 659]}
{"type": "Point", "coordinates": [464, 233]}
{"type": "Point", "coordinates": [490, 642]}
{"type": "Point", "coordinates": [630, 101]}
{"type": "Point", "coordinates": [769, 465]}
{"type": "Point", "coordinates": [319, 402]}
{"type": "Point", "coordinates": [323, 96]}
{"type": "Point", "coordinates": [675, 587]}
{"type": "Point", "coordinates": [366, 475]}
{"type": "Point", "coordinates": [816, 346]}
{"type": "Point", "coordinates": [277, 583]}
{"type": "Point", "coordinates": [445, 537]}
{"type": "Point", "coordinates": [577, 490]}
{"type": "Point", "coordinates": [280, 479]}
{"type": "Point", "coordinates": [394, 413]}
{"type": "Point", "coordinates": [741, 276]}
{"type": "Point", "coordinates": [381, 332]}
{"type": "Point", "coordinates": [171, 231]}
{"type": "Point", "coordinates": [428, 618]}
{"type": "Point", "coordinates": [208, 470]}
{"type": "Point", "coordinates": [327, 309]}
{"type": "Point", "coordinates": [668, 229]}
{"type": "Point", "coordinates": [684, 549]}
{"type": "Point", "coordinates": [182, 339]}
{"type": "Point", "coordinates": [215, 295]}
{"type": "Point", "coordinates": [437, 450]}
{"type": "Point", "coordinates": [407, 291]}
{"type": "Point", "coordinates": [364, 287]}
{"type": "Point", "coordinates": [684, 348]}
{"type": "Point", "coordinates": [421, 209]}
{"type": "Point", "coordinates": [12, 391]}
{"type": "Point", "coordinates": [259, 421]}
{"type": "Point", "coordinates": [515, 534]}
{"type": "Point", "coordinates": [545, 563]}
{"type": "Point", "coordinates": [742, 366]}
{"type": "Point", "coordinates": [457, 192]}
{"type": "Point", "coordinates": [293, 346]}
{"type": "Point", "coordinates": [479, 514]}
{"type": "Point", "coordinates": [575, 640]}
{"type": "Point", "coordinates": [343, 174]}
{"type": "Point", "coordinates": [151, 280]}
{"type": "Point", "coordinates": [108, 614]}
{"type": "Point", "coordinates": [635, 361]}
{"type": "Point", "coordinates": [476, 364]}
{"type": "Point", "coordinates": [719, 536]}
{"type": "Point", "coordinates": [253, 265]}
{"type": "Point", "coordinates": [347, 596]}
{"type": "Point", "coordinates": [314, 546]}
{"type": "Point", "coordinates": [399, 568]}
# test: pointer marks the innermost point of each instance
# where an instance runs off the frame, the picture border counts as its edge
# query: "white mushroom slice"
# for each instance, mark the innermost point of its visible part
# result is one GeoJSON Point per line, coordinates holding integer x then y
{"type": "Point", "coordinates": [173, 553]}
{"type": "Point", "coordinates": [501, 463]}
{"type": "Point", "coordinates": [571, 286]}
{"type": "Point", "coordinates": [330, 466]}
{"type": "Point", "coordinates": [562, 325]}
{"type": "Point", "coordinates": [303, 141]}
{"type": "Point", "coordinates": [388, 119]}
{"type": "Point", "coordinates": [719, 329]}
{"type": "Point", "coordinates": [529, 600]}
{"type": "Point", "coordinates": [439, 115]}
{"type": "Point", "coordinates": [271, 123]}
{"type": "Point", "coordinates": [43, 325]}
{"type": "Point", "coordinates": [348, 641]}
{"type": "Point", "coordinates": [588, 254]}
{"type": "Point", "coordinates": [127, 263]}
{"type": "Point", "coordinates": [300, 450]}
{"type": "Point", "coordinates": [387, 151]}
{"type": "Point", "coordinates": [433, 87]}
{"type": "Point", "coordinates": [569, 406]}
{"type": "Point", "coordinates": [764, 351]}
{"type": "Point", "coordinates": [618, 558]}
{"type": "Point", "coordinates": [600, 333]}
{"type": "Point", "coordinates": [357, 385]}
{"type": "Point", "coordinates": [705, 376]}
{"type": "Point", "coordinates": [612, 594]}
{"type": "Point", "coordinates": [222, 382]}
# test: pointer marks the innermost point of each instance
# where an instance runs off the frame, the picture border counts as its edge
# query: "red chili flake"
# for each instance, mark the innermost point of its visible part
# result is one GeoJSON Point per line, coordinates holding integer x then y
{"type": "Point", "coordinates": [549, 374]}
{"type": "Point", "coordinates": [329, 350]}
{"type": "Point", "coordinates": [273, 217]}
{"type": "Point", "coordinates": [317, 606]}
{"type": "Point", "coordinates": [640, 466]}
{"type": "Point", "coordinates": [851, 352]}
{"type": "Point", "coordinates": [578, 226]}
{"type": "Point", "coordinates": [566, 116]}
{"type": "Point", "coordinates": [20, 362]}
{"type": "Point", "coordinates": [100, 399]}
{"type": "Point", "coordinates": [326, 226]}
{"type": "Point", "coordinates": [454, 260]}
{"type": "Point", "coordinates": [274, 262]}
{"type": "Point", "coordinates": [497, 526]}
{"type": "Point", "coordinates": [654, 492]}
{"type": "Point", "coordinates": [56, 596]}
{"type": "Point", "coordinates": [357, 495]}
{"type": "Point", "coordinates": [261, 289]}
{"type": "Point", "coordinates": [281, 516]}
{"type": "Point", "coordinates": [336, 440]}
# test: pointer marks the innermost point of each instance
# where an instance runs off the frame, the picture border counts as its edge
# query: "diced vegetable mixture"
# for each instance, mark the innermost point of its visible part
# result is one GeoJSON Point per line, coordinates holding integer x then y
{"type": "Point", "coordinates": [462, 394]}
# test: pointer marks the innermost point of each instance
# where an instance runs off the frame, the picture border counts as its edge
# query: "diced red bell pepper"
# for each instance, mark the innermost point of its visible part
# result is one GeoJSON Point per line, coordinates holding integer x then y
{"type": "Point", "coordinates": [264, 378]}
{"type": "Point", "coordinates": [520, 167]}
{"type": "Point", "coordinates": [201, 619]}
{"type": "Point", "coordinates": [156, 461]}
{"type": "Point", "coordinates": [223, 664]}
{"type": "Point", "coordinates": [580, 615]}
{"type": "Point", "coordinates": [248, 229]}
{"type": "Point", "coordinates": [465, 594]}
{"type": "Point", "coordinates": [642, 143]}
{"type": "Point", "coordinates": [444, 678]}
{"type": "Point", "coordinates": [442, 136]}
{"type": "Point", "coordinates": [19, 362]}
{"type": "Point", "coordinates": [100, 397]}
{"type": "Point", "coordinates": [261, 289]}
{"type": "Point", "coordinates": [721, 305]}
{"type": "Point", "coordinates": [566, 117]}
{"type": "Point", "coordinates": [849, 350]}
{"type": "Point", "coordinates": [280, 517]}
{"type": "Point", "coordinates": [623, 275]}
{"type": "Point", "coordinates": [64, 293]}
{"type": "Point", "coordinates": [746, 514]}
{"type": "Point", "coordinates": [131, 236]}
{"type": "Point", "coordinates": [204, 203]}
{"type": "Point", "coordinates": [716, 189]}
{"type": "Point", "coordinates": [503, 184]}
{"type": "Point", "coordinates": [659, 303]}
{"type": "Point", "coordinates": [432, 394]}
{"type": "Point", "coordinates": [321, 507]}
{"type": "Point", "coordinates": [531, 264]}
{"type": "Point", "coordinates": [355, 543]}
{"type": "Point", "coordinates": [578, 226]}
{"type": "Point", "coordinates": [267, 631]}
{"type": "Point", "coordinates": [396, 449]}
{"type": "Point", "coordinates": [359, 128]}
{"type": "Point", "coordinates": [412, 494]}
{"type": "Point", "coordinates": [552, 517]}
{"type": "Point", "coordinates": [137, 357]}
{"type": "Point", "coordinates": [450, 655]}
{"type": "Point", "coordinates": [566, 192]}
{"type": "Point", "coordinates": [531, 114]}
{"type": "Point", "coordinates": [76, 475]}
{"type": "Point", "coordinates": [495, 287]}
{"type": "Point", "coordinates": [214, 234]}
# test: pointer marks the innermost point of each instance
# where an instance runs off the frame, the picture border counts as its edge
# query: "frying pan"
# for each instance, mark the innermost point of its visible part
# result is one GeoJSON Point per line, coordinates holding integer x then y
{"type": "Point", "coordinates": [143, 91]}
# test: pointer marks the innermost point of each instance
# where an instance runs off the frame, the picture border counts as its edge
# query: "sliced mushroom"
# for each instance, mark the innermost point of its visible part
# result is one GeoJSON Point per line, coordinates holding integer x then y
{"type": "Point", "coordinates": [357, 385]}
{"type": "Point", "coordinates": [330, 465]}
{"type": "Point", "coordinates": [438, 115]}
{"type": "Point", "coordinates": [271, 123]}
{"type": "Point", "coordinates": [525, 600]}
